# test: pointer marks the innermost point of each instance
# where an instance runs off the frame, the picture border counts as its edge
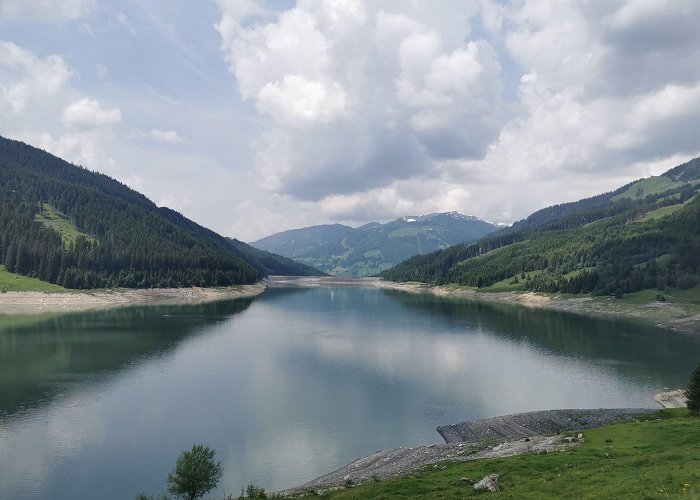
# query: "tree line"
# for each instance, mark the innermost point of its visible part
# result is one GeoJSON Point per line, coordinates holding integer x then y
{"type": "Point", "coordinates": [608, 248]}
{"type": "Point", "coordinates": [133, 242]}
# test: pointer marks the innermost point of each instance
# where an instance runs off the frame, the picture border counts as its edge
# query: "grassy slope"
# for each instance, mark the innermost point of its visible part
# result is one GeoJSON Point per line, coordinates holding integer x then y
{"type": "Point", "coordinates": [10, 282]}
{"type": "Point", "coordinates": [656, 458]}
{"type": "Point", "coordinates": [55, 220]}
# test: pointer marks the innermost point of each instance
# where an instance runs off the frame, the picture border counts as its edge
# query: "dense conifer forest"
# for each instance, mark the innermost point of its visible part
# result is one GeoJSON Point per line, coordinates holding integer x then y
{"type": "Point", "coordinates": [645, 235]}
{"type": "Point", "coordinates": [66, 225]}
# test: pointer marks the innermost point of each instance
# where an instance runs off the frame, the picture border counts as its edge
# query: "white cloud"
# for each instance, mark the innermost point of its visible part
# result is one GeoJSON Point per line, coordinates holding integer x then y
{"type": "Point", "coordinates": [87, 149]}
{"type": "Point", "coordinates": [44, 10]}
{"type": "Point", "coordinates": [88, 113]}
{"type": "Point", "coordinates": [297, 100]}
{"type": "Point", "coordinates": [165, 136]}
{"type": "Point", "coordinates": [358, 97]}
{"type": "Point", "coordinates": [24, 76]}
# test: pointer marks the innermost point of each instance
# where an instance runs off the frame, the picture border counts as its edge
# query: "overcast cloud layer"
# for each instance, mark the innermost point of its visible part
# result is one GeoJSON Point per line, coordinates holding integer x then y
{"type": "Point", "coordinates": [253, 117]}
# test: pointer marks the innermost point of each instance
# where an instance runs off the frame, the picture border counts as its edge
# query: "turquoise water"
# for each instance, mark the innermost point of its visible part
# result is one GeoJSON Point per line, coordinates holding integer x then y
{"type": "Point", "coordinates": [293, 383]}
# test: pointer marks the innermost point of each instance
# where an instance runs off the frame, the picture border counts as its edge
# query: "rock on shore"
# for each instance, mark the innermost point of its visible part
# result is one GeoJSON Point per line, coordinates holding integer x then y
{"type": "Point", "coordinates": [672, 399]}
{"type": "Point", "coordinates": [534, 423]}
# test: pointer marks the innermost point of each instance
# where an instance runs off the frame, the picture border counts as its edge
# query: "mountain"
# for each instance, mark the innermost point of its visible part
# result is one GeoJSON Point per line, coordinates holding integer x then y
{"type": "Point", "coordinates": [644, 235]}
{"type": "Point", "coordinates": [366, 250]}
{"type": "Point", "coordinates": [271, 263]}
{"type": "Point", "coordinates": [80, 229]}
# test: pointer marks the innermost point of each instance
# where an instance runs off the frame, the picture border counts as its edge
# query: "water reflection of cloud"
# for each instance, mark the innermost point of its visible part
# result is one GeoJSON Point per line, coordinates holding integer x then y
{"type": "Point", "coordinates": [502, 375]}
{"type": "Point", "coordinates": [30, 451]}
{"type": "Point", "coordinates": [284, 456]}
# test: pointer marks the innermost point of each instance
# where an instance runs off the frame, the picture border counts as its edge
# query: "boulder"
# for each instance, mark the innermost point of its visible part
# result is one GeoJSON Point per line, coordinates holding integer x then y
{"type": "Point", "coordinates": [672, 399]}
{"type": "Point", "coordinates": [489, 483]}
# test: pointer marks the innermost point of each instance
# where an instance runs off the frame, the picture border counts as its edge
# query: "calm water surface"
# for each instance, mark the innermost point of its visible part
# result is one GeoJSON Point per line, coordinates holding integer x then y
{"type": "Point", "coordinates": [294, 383]}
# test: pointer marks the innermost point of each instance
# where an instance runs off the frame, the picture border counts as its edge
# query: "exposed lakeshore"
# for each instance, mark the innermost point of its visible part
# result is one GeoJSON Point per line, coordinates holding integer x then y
{"type": "Point", "coordinates": [676, 316]}
{"type": "Point", "coordinates": [681, 317]}
{"type": "Point", "coordinates": [45, 302]}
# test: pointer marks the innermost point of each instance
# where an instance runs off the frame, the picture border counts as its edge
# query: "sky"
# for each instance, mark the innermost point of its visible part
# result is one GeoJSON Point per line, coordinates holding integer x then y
{"type": "Point", "coordinates": [257, 116]}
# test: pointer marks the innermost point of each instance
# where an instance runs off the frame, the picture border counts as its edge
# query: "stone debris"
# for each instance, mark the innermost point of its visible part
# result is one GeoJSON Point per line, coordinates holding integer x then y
{"type": "Point", "coordinates": [524, 425]}
{"type": "Point", "coordinates": [489, 483]}
{"type": "Point", "coordinates": [672, 399]}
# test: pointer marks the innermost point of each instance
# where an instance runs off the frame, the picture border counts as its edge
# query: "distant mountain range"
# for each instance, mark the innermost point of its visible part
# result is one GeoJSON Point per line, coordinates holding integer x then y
{"type": "Point", "coordinates": [367, 250]}
{"type": "Point", "coordinates": [66, 225]}
{"type": "Point", "coordinates": [644, 235]}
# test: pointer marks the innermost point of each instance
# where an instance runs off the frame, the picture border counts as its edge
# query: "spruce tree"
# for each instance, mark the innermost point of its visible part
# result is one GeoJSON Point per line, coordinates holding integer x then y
{"type": "Point", "coordinates": [693, 392]}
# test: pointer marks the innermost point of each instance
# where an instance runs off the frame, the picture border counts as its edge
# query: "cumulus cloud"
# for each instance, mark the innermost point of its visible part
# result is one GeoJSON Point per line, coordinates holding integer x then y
{"type": "Point", "coordinates": [582, 106]}
{"type": "Point", "coordinates": [24, 76]}
{"type": "Point", "coordinates": [86, 148]}
{"type": "Point", "coordinates": [89, 113]}
{"type": "Point", "coordinates": [364, 103]}
{"type": "Point", "coordinates": [165, 136]}
{"type": "Point", "coordinates": [357, 97]}
{"type": "Point", "coordinates": [44, 10]}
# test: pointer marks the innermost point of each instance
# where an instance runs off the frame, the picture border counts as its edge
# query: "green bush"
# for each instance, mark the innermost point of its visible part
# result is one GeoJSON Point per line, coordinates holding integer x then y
{"type": "Point", "coordinates": [255, 491]}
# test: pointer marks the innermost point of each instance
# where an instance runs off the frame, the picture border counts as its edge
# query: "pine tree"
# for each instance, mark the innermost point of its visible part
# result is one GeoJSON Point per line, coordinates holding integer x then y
{"type": "Point", "coordinates": [693, 392]}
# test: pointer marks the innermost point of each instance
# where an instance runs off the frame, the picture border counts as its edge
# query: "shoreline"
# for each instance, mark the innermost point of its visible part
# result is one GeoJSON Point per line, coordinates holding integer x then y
{"type": "Point", "coordinates": [51, 302]}
{"type": "Point", "coordinates": [483, 439]}
{"type": "Point", "coordinates": [675, 316]}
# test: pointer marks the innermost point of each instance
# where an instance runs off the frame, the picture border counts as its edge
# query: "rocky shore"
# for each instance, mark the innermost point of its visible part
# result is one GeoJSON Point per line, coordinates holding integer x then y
{"type": "Point", "coordinates": [42, 302]}
{"type": "Point", "coordinates": [531, 432]}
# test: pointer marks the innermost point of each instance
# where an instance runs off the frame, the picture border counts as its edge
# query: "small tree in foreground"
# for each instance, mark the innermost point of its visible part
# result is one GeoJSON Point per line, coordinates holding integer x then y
{"type": "Point", "coordinates": [693, 392]}
{"type": "Point", "coordinates": [195, 473]}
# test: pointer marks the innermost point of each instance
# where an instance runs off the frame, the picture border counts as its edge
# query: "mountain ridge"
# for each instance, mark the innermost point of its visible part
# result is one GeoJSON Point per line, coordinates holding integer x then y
{"type": "Point", "coordinates": [368, 249]}
{"type": "Point", "coordinates": [643, 235]}
{"type": "Point", "coordinates": [69, 226]}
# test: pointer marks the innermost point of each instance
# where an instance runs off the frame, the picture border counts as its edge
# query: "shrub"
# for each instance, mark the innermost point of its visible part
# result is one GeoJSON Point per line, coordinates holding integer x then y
{"type": "Point", "coordinates": [195, 473]}
{"type": "Point", "coordinates": [255, 491]}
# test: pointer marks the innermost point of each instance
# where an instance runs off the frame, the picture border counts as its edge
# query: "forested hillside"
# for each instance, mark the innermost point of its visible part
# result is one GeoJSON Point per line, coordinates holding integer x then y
{"type": "Point", "coordinates": [645, 235]}
{"type": "Point", "coordinates": [366, 250]}
{"type": "Point", "coordinates": [66, 225]}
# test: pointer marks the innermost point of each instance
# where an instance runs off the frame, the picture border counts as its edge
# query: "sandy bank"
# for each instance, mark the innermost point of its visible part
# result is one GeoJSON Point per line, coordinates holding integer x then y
{"type": "Point", "coordinates": [42, 302]}
{"type": "Point", "coordinates": [680, 317]}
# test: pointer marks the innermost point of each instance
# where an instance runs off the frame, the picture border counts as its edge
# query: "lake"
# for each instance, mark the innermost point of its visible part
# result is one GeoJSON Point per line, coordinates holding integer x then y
{"type": "Point", "coordinates": [294, 383]}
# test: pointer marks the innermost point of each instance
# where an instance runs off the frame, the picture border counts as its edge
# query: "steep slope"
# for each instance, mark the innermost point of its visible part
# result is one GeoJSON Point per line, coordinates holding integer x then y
{"type": "Point", "coordinates": [271, 263]}
{"type": "Point", "coordinates": [644, 235]}
{"type": "Point", "coordinates": [366, 250]}
{"type": "Point", "coordinates": [66, 225]}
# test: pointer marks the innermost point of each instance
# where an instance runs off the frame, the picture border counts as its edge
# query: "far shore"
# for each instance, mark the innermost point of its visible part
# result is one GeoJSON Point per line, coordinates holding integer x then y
{"type": "Point", "coordinates": [676, 316]}
{"type": "Point", "coordinates": [83, 300]}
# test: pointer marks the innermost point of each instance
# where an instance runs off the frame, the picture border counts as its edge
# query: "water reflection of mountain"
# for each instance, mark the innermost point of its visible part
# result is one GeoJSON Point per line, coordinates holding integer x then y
{"type": "Point", "coordinates": [43, 355]}
{"type": "Point", "coordinates": [640, 349]}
